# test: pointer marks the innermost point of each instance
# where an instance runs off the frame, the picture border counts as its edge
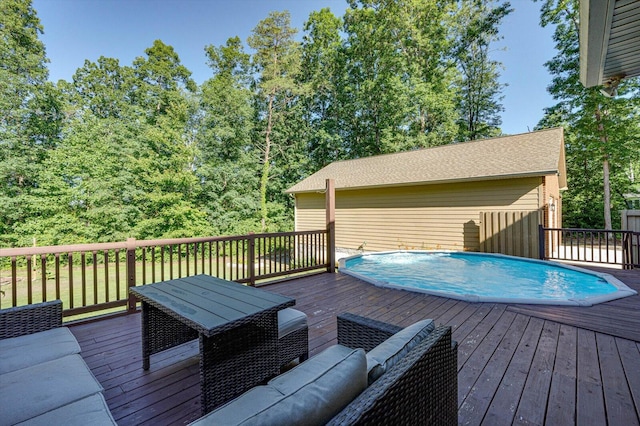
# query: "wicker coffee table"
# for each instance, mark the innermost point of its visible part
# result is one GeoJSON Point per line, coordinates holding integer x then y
{"type": "Point", "coordinates": [237, 327]}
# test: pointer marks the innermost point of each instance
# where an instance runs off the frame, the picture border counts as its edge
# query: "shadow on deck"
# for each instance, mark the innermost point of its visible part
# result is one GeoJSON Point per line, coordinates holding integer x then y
{"type": "Point", "coordinates": [522, 364]}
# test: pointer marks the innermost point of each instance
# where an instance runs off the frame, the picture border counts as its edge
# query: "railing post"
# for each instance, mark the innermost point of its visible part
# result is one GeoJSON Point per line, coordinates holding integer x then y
{"type": "Point", "coordinates": [131, 273]}
{"type": "Point", "coordinates": [330, 207]}
{"type": "Point", "coordinates": [252, 259]}
{"type": "Point", "coordinates": [541, 243]}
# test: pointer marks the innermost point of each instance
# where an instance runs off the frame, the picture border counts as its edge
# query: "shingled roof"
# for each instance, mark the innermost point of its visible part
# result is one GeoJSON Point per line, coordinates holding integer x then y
{"type": "Point", "coordinates": [537, 153]}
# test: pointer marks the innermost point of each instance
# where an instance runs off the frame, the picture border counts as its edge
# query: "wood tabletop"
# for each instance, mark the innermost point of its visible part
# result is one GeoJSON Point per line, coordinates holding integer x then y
{"type": "Point", "coordinates": [210, 304]}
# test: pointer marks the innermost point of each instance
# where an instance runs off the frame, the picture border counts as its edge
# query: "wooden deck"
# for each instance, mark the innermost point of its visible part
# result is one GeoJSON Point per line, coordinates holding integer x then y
{"type": "Point", "coordinates": [517, 364]}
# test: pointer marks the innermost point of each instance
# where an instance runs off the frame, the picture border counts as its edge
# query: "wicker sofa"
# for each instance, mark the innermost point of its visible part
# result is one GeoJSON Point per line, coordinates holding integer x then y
{"type": "Point", "coordinates": [418, 384]}
{"type": "Point", "coordinates": [43, 378]}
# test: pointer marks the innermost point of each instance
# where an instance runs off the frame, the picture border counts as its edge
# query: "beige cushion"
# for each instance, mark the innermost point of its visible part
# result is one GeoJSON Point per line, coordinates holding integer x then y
{"type": "Point", "coordinates": [30, 349]}
{"type": "Point", "coordinates": [388, 353]}
{"type": "Point", "coordinates": [34, 390]}
{"type": "Point", "coordinates": [290, 320]}
{"type": "Point", "coordinates": [92, 410]}
{"type": "Point", "coordinates": [310, 394]}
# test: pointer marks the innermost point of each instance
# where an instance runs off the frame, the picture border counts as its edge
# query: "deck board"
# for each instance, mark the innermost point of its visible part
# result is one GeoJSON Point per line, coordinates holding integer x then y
{"type": "Point", "coordinates": [533, 401]}
{"type": "Point", "coordinates": [502, 408]}
{"type": "Point", "coordinates": [589, 397]}
{"type": "Point", "coordinates": [526, 364]}
{"type": "Point", "coordinates": [562, 395]}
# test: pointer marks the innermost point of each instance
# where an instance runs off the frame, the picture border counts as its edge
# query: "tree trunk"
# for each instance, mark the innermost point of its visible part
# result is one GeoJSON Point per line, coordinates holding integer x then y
{"type": "Point", "coordinates": [266, 166]}
{"type": "Point", "coordinates": [607, 194]}
{"type": "Point", "coordinates": [605, 170]}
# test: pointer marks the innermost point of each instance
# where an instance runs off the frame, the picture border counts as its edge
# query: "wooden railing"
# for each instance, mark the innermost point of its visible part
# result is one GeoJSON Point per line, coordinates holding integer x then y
{"type": "Point", "coordinates": [94, 278]}
{"type": "Point", "coordinates": [612, 247]}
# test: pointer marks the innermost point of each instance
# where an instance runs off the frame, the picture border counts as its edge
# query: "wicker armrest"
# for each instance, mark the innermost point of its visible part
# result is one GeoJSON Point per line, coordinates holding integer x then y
{"type": "Point", "coordinates": [422, 388]}
{"type": "Point", "coordinates": [30, 319]}
{"type": "Point", "coordinates": [355, 331]}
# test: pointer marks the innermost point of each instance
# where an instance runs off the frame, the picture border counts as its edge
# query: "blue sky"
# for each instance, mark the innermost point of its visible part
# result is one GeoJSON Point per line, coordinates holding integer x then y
{"type": "Point", "coordinates": [75, 30]}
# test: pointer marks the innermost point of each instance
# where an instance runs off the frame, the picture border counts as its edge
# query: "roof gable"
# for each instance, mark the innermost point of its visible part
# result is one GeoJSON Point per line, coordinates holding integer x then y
{"type": "Point", "coordinates": [537, 153]}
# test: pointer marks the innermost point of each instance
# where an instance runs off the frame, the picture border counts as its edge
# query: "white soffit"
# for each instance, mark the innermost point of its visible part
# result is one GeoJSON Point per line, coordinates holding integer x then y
{"type": "Point", "coordinates": [609, 40]}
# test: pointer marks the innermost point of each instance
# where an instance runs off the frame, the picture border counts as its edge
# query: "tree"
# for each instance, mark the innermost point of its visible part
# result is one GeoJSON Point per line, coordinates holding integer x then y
{"type": "Point", "coordinates": [397, 94]}
{"type": "Point", "coordinates": [479, 89]}
{"type": "Point", "coordinates": [598, 130]}
{"type": "Point", "coordinates": [164, 94]}
{"type": "Point", "coordinates": [225, 158]}
{"type": "Point", "coordinates": [104, 88]}
{"type": "Point", "coordinates": [277, 60]}
{"type": "Point", "coordinates": [323, 71]}
{"type": "Point", "coordinates": [87, 191]}
{"type": "Point", "coordinates": [30, 111]}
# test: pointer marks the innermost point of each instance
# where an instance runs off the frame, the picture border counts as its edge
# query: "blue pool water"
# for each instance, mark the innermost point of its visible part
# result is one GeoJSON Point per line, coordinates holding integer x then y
{"type": "Point", "coordinates": [486, 277]}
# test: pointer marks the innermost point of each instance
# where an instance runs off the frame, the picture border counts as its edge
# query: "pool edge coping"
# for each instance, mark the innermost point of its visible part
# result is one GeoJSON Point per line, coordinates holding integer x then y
{"type": "Point", "coordinates": [622, 290]}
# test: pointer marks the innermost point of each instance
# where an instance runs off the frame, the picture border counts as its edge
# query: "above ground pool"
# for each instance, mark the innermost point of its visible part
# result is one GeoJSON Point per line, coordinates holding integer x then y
{"type": "Point", "coordinates": [480, 277]}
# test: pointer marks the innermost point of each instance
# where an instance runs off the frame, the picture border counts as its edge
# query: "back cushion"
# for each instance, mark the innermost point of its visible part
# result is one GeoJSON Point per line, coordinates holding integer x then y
{"type": "Point", "coordinates": [388, 353]}
{"type": "Point", "coordinates": [310, 394]}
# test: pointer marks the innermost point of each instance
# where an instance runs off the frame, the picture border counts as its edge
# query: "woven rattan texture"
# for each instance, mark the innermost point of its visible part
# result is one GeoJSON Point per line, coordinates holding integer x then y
{"type": "Point", "coordinates": [421, 389]}
{"type": "Point", "coordinates": [355, 331]}
{"type": "Point", "coordinates": [161, 331]}
{"type": "Point", "coordinates": [237, 360]}
{"type": "Point", "coordinates": [293, 345]}
{"type": "Point", "coordinates": [29, 319]}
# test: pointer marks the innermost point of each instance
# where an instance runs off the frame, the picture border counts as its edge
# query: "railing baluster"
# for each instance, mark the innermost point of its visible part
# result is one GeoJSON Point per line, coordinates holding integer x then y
{"type": "Point", "coordinates": [210, 258]}
{"type": "Point", "coordinates": [202, 246]}
{"type": "Point", "coordinates": [29, 281]}
{"type": "Point", "coordinates": [57, 256]}
{"type": "Point", "coordinates": [244, 258]}
{"type": "Point", "coordinates": [106, 276]}
{"type": "Point", "coordinates": [195, 258]}
{"type": "Point", "coordinates": [83, 272]}
{"type": "Point", "coordinates": [217, 258]}
{"type": "Point", "coordinates": [95, 277]}
{"type": "Point", "coordinates": [14, 281]}
{"type": "Point", "coordinates": [117, 254]}
{"type": "Point", "coordinates": [71, 301]}
{"type": "Point", "coordinates": [186, 246]}
{"type": "Point", "coordinates": [153, 264]}
{"type": "Point", "coordinates": [162, 248]}
{"type": "Point", "coordinates": [43, 272]}
{"type": "Point", "coordinates": [171, 261]}
{"type": "Point", "coordinates": [143, 259]}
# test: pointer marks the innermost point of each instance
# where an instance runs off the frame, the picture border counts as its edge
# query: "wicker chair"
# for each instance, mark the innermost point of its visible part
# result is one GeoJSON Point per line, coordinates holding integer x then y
{"type": "Point", "coordinates": [293, 339]}
{"type": "Point", "coordinates": [30, 319]}
{"type": "Point", "coordinates": [422, 388]}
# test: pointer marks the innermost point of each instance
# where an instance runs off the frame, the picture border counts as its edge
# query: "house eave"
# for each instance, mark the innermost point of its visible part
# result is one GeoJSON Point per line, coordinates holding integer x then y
{"type": "Point", "coordinates": [609, 41]}
{"type": "Point", "coordinates": [431, 182]}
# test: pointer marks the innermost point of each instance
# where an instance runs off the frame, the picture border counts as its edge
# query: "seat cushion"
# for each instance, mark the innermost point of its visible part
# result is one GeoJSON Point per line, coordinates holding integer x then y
{"type": "Point", "coordinates": [92, 410]}
{"type": "Point", "coordinates": [31, 349]}
{"type": "Point", "coordinates": [311, 393]}
{"type": "Point", "coordinates": [290, 320]}
{"type": "Point", "coordinates": [388, 353]}
{"type": "Point", "coordinates": [32, 391]}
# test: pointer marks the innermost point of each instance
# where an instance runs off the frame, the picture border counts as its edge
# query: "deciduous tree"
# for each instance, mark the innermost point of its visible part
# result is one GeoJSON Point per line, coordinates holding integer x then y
{"type": "Point", "coordinates": [602, 134]}
{"type": "Point", "coordinates": [479, 88]}
{"type": "Point", "coordinates": [277, 61]}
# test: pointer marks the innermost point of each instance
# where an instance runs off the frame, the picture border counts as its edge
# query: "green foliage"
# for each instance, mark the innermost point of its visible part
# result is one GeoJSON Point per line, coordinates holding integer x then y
{"type": "Point", "coordinates": [479, 90]}
{"type": "Point", "coordinates": [277, 60]}
{"type": "Point", "coordinates": [602, 135]}
{"type": "Point", "coordinates": [29, 113]}
{"type": "Point", "coordinates": [140, 150]}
